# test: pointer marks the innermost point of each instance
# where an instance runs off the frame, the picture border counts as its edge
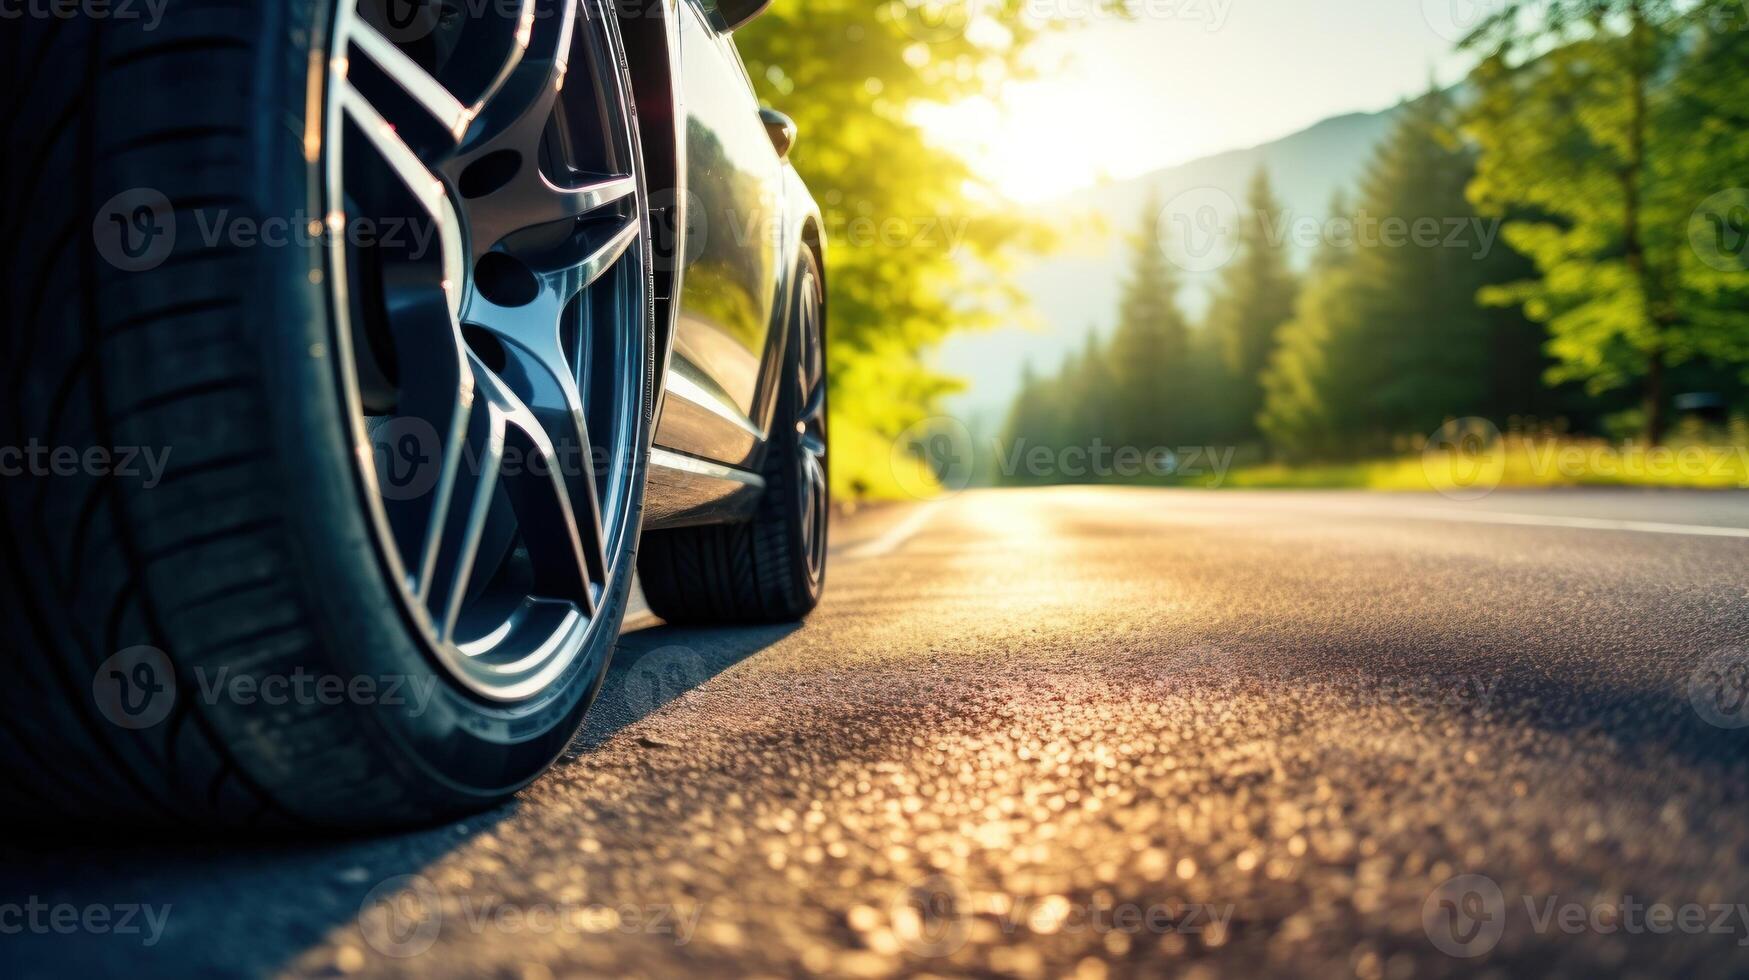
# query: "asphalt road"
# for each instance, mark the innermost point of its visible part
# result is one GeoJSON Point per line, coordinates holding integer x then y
{"type": "Point", "coordinates": [1079, 732]}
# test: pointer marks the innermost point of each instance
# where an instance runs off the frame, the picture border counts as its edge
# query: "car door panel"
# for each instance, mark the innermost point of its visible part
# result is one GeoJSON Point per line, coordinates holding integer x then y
{"type": "Point", "coordinates": [730, 281]}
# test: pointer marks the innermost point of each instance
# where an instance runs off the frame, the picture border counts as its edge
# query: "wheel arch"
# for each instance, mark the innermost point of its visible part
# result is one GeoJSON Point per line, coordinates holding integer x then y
{"type": "Point", "coordinates": [650, 31]}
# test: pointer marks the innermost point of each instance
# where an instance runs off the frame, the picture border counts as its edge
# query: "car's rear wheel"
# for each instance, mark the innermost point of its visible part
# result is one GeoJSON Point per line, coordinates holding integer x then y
{"type": "Point", "coordinates": [771, 568]}
{"type": "Point", "coordinates": [379, 307]}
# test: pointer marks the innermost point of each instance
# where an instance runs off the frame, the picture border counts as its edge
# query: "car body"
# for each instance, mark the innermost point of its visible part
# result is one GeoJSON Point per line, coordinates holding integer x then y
{"type": "Point", "coordinates": [741, 219]}
{"type": "Point", "coordinates": [448, 322]}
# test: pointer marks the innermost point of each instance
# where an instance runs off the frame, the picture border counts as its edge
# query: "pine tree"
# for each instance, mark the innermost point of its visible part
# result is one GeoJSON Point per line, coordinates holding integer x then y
{"type": "Point", "coordinates": [1388, 339]}
{"type": "Point", "coordinates": [1090, 394]}
{"type": "Point", "coordinates": [1147, 353]}
{"type": "Point", "coordinates": [1422, 345]}
{"type": "Point", "coordinates": [1028, 422]}
{"type": "Point", "coordinates": [1253, 299]}
{"type": "Point", "coordinates": [1296, 418]}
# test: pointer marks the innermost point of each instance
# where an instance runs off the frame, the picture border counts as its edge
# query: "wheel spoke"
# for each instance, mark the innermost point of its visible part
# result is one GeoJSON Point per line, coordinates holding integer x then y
{"type": "Point", "coordinates": [603, 258]}
{"type": "Point", "coordinates": [424, 185]}
{"type": "Point", "coordinates": [540, 493]}
{"type": "Point", "coordinates": [540, 376]}
{"type": "Point", "coordinates": [815, 406]}
{"type": "Point", "coordinates": [420, 85]}
{"type": "Point", "coordinates": [532, 200]}
{"type": "Point", "coordinates": [460, 520]}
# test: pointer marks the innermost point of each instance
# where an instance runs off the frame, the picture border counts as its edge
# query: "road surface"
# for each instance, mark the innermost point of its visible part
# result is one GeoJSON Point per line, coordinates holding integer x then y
{"type": "Point", "coordinates": [1089, 732]}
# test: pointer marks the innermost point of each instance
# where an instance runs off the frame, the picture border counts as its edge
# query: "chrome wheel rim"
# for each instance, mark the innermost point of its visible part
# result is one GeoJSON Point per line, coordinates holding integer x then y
{"type": "Point", "coordinates": [810, 384]}
{"type": "Point", "coordinates": [495, 350]}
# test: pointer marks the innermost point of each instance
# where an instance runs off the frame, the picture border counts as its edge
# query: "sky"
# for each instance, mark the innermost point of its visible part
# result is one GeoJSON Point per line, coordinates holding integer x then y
{"type": "Point", "coordinates": [1186, 78]}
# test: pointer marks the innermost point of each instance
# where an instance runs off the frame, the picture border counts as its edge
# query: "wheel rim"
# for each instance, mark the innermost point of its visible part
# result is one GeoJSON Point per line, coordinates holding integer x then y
{"type": "Point", "coordinates": [811, 427]}
{"type": "Point", "coordinates": [496, 348]}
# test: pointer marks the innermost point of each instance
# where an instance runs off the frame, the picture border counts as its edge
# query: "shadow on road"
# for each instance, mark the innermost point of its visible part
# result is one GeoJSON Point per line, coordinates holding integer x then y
{"type": "Point", "coordinates": [239, 907]}
{"type": "Point", "coordinates": [654, 666]}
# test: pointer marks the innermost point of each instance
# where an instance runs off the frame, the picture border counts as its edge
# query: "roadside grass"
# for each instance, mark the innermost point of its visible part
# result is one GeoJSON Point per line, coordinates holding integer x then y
{"type": "Point", "coordinates": [1516, 462]}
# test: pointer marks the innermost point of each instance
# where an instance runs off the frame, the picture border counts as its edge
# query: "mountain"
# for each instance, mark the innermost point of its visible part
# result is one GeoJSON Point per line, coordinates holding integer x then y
{"type": "Point", "coordinates": [1076, 289]}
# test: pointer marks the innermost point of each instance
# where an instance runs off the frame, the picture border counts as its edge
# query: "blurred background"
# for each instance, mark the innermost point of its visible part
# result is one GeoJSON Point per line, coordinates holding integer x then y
{"type": "Point", "coordinates": [1268, 243]}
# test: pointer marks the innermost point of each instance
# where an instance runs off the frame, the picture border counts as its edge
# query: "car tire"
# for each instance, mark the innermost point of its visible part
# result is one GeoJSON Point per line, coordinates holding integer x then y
{"type": "Point", "coordinates": [153, 610]}
{"type": "Point", "coordinates": [772, 568]}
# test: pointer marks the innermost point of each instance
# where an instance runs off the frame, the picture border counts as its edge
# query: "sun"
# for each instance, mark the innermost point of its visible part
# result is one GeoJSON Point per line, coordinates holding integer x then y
{"type": "Point", "coordinates": [1037, 139]}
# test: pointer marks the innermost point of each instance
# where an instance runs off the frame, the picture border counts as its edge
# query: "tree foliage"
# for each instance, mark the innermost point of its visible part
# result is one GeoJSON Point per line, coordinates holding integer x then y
{"type": "Point", "coordinates": [1254, 298]}
{"type": "Point", "coordinates": [851, 74]}
{"type": "Point", "coordinates": [1587, 120]}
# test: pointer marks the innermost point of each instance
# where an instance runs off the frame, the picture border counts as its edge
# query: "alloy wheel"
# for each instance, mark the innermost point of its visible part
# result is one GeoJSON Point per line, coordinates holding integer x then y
{"type": "Point", "coordinates": [498, 320]}
{"type": "Point", "coordinates": [811, 425]}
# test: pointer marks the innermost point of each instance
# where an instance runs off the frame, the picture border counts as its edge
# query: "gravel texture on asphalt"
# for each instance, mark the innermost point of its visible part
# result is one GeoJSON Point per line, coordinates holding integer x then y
{"type": "Point", "coordinates": [1079, 732]}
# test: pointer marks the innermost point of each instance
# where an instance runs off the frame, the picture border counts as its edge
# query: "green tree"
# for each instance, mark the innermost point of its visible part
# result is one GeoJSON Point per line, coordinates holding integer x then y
{"type": "Point", "coordinates": [1296, 417]}
{"type": "Point", "coordinates": [1588, 150]}
{"type": "Point", "coordinates": [1388, 339]}
{"type": "Point", "coordinates": [1254, 298]}
{"type": "Point", "coordinates": [851, 73]}
{"type": "Point", "coordinates": [1030, 421]}
{"type": "Point", "coordinates": [1147, 353]}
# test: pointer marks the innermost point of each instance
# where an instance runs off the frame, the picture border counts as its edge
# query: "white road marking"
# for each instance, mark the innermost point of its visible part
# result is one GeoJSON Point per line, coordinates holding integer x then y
{"type": "Point", "coordinates": [1583, 523]}
{"type": "Point", "coordinates": [896, 535]}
